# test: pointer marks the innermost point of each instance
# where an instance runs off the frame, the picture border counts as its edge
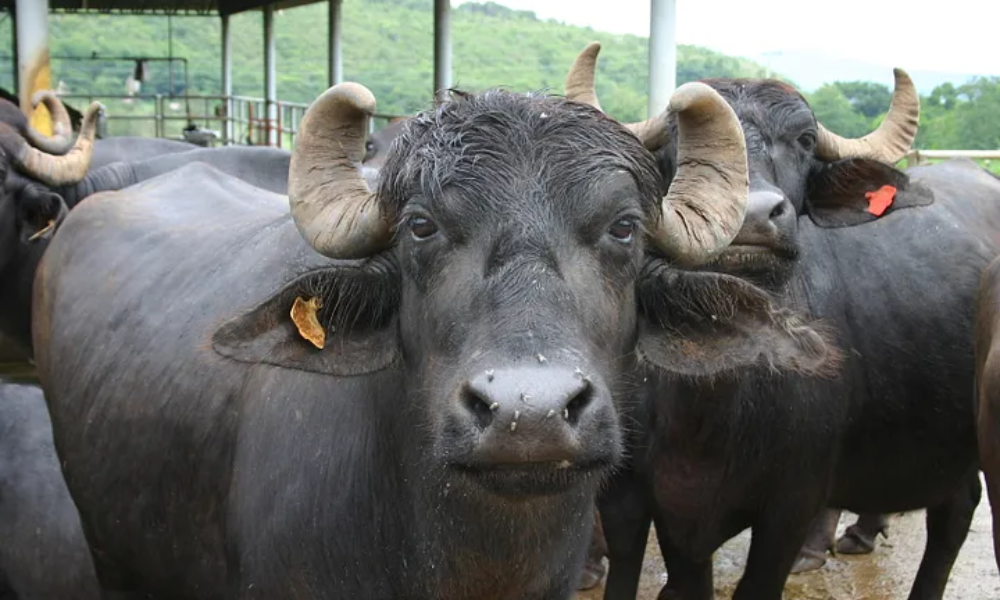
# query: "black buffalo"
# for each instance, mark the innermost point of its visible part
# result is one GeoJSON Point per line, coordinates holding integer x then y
{"type": "Point", "coordinates": [890, 262]}
{"type": "Point", "coordinates": [31, 167]}
{"type": "Point", "coordinates": [43, 553]}
{"type": "Point", "coordinates": [987, 347]}
{"type": "Point", "coordinates": [472, 330]}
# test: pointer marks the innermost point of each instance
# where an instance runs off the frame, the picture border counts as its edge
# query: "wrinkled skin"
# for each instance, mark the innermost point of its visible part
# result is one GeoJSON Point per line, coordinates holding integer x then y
{"type": "Point", "coordinates": [375, 468]}
{"type": "Point", "coordinates": [770, 452]}
{"type": "Point", "coordinates": [43, 553]}
{"type": "Point", "coordinates": [987, 345]}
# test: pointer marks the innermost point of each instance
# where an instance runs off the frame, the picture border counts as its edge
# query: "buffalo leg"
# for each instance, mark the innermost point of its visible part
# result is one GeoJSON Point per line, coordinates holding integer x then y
{"type": "Point", "coordinates": [860, 537]}
{"type": "Point", "coordinates": [625, 515]}
{"type": "Point", "coordinates": [593, 568]}
{"type": "Point", "coordinates": [993, 488]}
{"type": "Point", "coordinates": [820, 540]}
{"type": "Point", "coordinates": [775, 543]}
{"type": "Point", "coordinates": [686, 579]}
{"type": "Point", "coordinates": [947, 527]}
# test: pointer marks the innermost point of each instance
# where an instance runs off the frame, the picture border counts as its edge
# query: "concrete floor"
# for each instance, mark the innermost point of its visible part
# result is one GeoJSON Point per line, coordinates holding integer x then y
{"type": "Point", "coordinates": [886, 574]}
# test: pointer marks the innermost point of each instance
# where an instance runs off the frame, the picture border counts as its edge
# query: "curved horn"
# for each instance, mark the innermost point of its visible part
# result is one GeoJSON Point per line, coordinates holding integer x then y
{"type": "Point", "coordinates": [62, 139]}
{"type": "Point", "coordinates": [332, 206]}
{"type": "Point", "coordinates": [891, 141]}
{"type": "Point", "coordinates": [62, 170]}
{"type": "Point", "coordinates": [580, 79]}
{"type": "Point", "coordinates": [653, 132]}
{"type": "Point", "coordinates": [707, 200]}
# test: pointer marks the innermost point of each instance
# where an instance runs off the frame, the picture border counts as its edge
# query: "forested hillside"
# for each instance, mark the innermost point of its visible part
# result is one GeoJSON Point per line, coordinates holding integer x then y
{"type": "Point", "coordinates": [388, 46]}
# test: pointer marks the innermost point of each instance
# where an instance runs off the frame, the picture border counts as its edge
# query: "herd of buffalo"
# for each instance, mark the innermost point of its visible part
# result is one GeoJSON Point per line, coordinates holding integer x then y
{"type": "Point", "coordinates": [476, 354]}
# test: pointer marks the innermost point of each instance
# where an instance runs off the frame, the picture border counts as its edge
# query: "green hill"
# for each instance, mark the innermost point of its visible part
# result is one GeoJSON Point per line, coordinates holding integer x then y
{"type": "Point", "coordinates": [388, 46]}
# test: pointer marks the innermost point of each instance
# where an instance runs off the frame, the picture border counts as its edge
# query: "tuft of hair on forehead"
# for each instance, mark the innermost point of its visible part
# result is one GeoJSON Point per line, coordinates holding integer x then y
{"type": "Point", "coordinates": [476, 142]}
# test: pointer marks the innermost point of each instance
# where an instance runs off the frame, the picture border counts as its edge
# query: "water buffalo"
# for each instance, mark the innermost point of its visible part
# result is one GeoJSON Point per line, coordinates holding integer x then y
{"type": "Point", "coordinates": [43, 553]}
{"type": "Point", "coordinates": [32, 166]}
{"type": "Point", "coordinates": [410, 394]}
{"type": "Point", "coordinates": [890, 262]}
{"type": "Point", "coordinates": [987, 348]}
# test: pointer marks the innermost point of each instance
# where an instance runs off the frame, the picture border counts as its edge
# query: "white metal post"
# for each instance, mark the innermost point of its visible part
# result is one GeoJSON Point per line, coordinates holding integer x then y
{"type": "Point", "coordinates": [662, 54]}
{"type": "Point", "coordinates": [270, 76]}
{"type": "Point", "coordinates": [442, 45]}
{"type": "Point", "coordinates": [336, 67]}
{"type": "Point", "coordinates": [33, 69]}
{"type": "Point", "coordinates": [227, 80]}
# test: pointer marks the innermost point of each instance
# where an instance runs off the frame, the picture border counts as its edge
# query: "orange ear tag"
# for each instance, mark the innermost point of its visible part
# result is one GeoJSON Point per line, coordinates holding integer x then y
{"type": "Point", "coordinates": [880, 199]}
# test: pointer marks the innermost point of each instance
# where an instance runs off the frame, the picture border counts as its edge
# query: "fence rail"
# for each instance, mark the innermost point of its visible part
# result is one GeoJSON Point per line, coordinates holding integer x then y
{"type": "Point", "coordinates": [916, 157]}
{"type": "Point", "coordinates": [231, 119]}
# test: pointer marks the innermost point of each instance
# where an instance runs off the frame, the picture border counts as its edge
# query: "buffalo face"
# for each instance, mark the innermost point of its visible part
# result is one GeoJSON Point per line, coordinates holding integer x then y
{"type": "Point", "coordinates": [797, 167]}
{"type": "Point", "coordinates": [518, 251]}
{"type": "Point", "coordinates": [800, 169]}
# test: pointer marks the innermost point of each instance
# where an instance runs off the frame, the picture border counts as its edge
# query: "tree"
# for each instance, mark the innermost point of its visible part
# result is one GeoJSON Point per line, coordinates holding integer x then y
{"type": "Point", "coordinates": [868, 98]}
{"type": "Point", "coordinates": [835, 112]}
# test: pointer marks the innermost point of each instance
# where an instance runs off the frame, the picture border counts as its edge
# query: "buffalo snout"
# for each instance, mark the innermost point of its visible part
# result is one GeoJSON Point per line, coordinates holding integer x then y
{"type": "Point", "coordinates": [534, 428]}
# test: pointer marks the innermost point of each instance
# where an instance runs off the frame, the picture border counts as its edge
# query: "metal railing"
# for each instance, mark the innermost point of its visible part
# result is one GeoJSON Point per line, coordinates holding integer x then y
{"type": "Point", "coordinates": [236, 119]}
{"type": "Point", "coordinates": [917, 157]}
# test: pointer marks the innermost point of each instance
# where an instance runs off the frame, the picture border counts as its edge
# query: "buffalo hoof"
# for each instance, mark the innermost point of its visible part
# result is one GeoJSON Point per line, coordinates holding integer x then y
{"type": "Point", "coordinates": [808, 560]}
{"type": "Point", "coordinates": [857, 541]}
{"type": "Point", "coordinates": [593, 573]}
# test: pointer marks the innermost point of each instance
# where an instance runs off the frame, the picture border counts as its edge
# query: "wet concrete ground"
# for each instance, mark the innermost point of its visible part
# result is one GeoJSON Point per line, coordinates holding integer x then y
{"type": "Point", "coordinates": [886, 574]}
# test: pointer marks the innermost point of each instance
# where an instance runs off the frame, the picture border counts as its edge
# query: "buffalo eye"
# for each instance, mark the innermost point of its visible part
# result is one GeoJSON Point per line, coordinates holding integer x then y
{"type": "Point", "coordinates": [623, 230]}
{"type": "Point", "coordinates": [807, 141]}
{"type": "Point", "coordinates": [422, 227]}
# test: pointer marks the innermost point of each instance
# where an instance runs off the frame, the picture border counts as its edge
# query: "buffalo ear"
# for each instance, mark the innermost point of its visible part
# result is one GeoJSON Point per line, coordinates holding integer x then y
{"type": "Point", "coordinates": [704, 324]}
{"type": "Point", "coordinates": [40, 212]}
{"type": "Point", "coordinates": [355, 324]}
{"type": "Point", "coordinates": [837, 194]}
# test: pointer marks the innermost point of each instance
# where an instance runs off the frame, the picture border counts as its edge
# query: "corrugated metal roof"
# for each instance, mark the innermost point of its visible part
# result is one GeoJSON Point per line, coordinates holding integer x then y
{"type": "Point", "coordinates": [203, 7]}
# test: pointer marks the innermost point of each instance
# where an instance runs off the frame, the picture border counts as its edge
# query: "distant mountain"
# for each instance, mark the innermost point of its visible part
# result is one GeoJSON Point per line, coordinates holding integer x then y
{"type": "Point", "coordinates": [810, 70]}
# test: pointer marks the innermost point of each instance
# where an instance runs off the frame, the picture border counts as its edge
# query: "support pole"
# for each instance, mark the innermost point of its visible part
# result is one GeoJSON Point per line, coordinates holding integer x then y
{"type": "Point", "coordinates": [227, 80]}
{"type": "Point", "coordinates": [662, 54]}
{"type": "Point", "coordinates": [336, 67]}
{"type": "Point", "coordinates": [270, 77]}
{"type": "Point", "coordinates": [33, 70]}
{"type": "Point", "coordinates": [442, 45]}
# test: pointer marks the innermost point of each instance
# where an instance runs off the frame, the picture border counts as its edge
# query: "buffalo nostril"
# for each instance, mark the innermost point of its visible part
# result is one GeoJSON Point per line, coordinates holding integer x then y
{"type": "Point", "coordinates": [479, 406]}
{"type": "Point", "coordinates": [579, 402]}
{"type": "Point", "coordinates": [778, 211]}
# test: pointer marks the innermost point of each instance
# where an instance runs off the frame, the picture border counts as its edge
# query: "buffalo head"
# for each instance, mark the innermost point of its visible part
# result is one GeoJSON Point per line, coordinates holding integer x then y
{"type": "Point", "coordinates": [30, 163]}
{"type": "Point", "coordinates": [797, 167]}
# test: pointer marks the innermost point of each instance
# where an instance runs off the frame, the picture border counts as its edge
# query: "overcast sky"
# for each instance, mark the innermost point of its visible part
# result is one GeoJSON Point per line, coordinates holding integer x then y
{"type": "Point", "coordinates": [955, 35]}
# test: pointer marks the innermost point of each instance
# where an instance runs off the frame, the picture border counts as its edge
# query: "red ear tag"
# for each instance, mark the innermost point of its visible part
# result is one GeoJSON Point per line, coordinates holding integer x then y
{"type": "Point", "coordinates": [880, 199]}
